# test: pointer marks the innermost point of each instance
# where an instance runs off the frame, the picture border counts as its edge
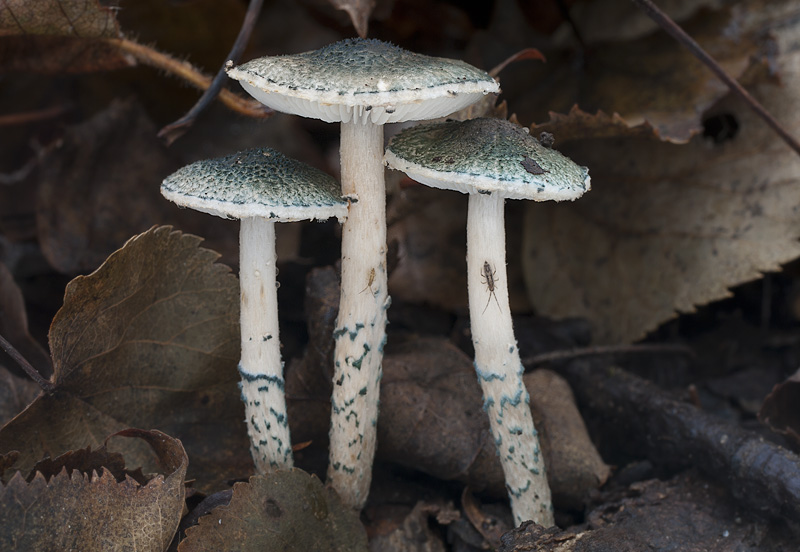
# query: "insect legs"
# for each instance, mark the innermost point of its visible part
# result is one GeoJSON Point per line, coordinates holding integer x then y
{"type": "Point", "coordinates": [489, 276]}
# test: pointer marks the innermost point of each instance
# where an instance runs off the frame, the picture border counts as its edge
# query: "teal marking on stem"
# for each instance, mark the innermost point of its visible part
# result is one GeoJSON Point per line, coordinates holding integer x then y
{"type": "Point", "coordinates": [522, 490]}
{"type": "Point", "coordinates": [513, 402]}
{"type": "Point", "coordinates": [485, 375]}
{"type": "Point", "coordinates": [249, 378]}
{"type": "Point", "coordinates": [278, 416]}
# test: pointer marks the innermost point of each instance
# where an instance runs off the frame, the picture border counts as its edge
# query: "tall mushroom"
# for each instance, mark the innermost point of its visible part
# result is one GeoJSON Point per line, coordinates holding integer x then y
{"type": "Point", "coordinates": [261, 187]}
{"type": "Point", "coordinates": [493, 160]}
{"type": "Point", "coordinates": [363, 84]}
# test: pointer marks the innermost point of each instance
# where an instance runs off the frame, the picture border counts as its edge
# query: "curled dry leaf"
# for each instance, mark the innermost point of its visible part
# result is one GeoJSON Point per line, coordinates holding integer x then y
{"type": "Point", "coordinates": [58, 36]}
{"type": "Point", "coordinates": [667, 228]}
{"type": "Point", "coordinates": [283, 511]}
{"type": "Point", "coordinates": [76, 503]}
{"type": "Point", "coordinates": [150, 339]}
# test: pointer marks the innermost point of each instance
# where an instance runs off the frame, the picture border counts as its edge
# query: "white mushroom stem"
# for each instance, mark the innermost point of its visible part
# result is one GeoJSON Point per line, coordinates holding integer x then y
{"type": "Point", "coordinates": [361, 326]}
{"type": "Point", "coordinates": [261, 368]}
{"type": "Point", "coordinates": [498, 364]}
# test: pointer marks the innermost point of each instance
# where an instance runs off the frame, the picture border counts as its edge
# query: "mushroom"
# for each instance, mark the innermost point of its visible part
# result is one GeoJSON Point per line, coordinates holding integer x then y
{"type": "Point", "coordinates": [493, 160]}
{"type": "Point", "coordinates": [363, 84]}
{"type": "Point", "coordinates": [261, 187]}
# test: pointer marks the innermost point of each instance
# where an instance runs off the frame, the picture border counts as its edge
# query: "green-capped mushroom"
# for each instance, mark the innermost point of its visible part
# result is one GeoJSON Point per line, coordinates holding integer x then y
{"type": "Point", "coordinates": [493, 160]}
{"type": "Point", "coordinates": [362, 84]}
{"type": "Point", "coordinates": [261, 187]}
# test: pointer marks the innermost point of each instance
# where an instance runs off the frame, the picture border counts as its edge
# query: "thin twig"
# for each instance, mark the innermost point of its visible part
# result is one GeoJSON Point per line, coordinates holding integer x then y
{"type": "Point", "coordinates": [185, 70]}
{"type": "Point", "coordinates": [175, 130]}
{"type": "Point", "coordinates": [46, 385]}
{"type": "Point", "coordinates": [32, 116]}
{"type": "Point", "coordinates": [597, 350]}
{"type": "Point", "coordinates": [674, 30]}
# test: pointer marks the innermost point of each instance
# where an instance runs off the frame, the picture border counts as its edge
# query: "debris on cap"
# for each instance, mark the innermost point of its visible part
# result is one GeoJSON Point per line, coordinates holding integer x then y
{"type": "Point", "coordinates": [486, 155]}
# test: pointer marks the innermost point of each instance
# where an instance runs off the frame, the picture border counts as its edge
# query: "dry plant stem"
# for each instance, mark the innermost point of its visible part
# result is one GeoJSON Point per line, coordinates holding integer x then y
{"type": "Point", "coordinates": [599, 350]}
{"type": "Point", "coordinates": [187, 72]}
{"type": "Point", "coordinates": [675, 31]}
{"type": "Point", "coordinates": [261, 368]}
{"type": "Point", "coordinates": [32, 116]}
{"type": "Point", "coordinates": [175, 130]}
{"type": "Point", "coordinates": [498, 364]}
{"type": "Point", "coordinates": [46, 385]}
{"type": "Point", "coordinates": [361, 325]}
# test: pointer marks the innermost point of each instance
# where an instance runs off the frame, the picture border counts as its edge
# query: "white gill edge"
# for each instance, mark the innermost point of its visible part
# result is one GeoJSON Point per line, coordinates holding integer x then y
{"type": "Point", "coordinates": [474, 184]}
{"type": "Point", "coordinates": [246, 210]}
{"type": "Point", "coordinates": [379, 109]}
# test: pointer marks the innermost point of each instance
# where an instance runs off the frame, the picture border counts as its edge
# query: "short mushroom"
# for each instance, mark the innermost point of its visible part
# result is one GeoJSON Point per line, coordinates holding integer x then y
{"type": "Point", "coordinates": [363, 84]}
{"type": "Point", "coordinates": [493, 160]}
{"type": "Point", "coordinates": [261, 187]}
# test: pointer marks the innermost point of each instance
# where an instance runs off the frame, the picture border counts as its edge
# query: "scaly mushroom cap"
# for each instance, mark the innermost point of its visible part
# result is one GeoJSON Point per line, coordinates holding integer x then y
{"type": "Point", "coordinates": [363, 80]}
{"type": "Point", "coordinates": [259, 182]}
{"type": "Point", "coordinates": [486, 156]}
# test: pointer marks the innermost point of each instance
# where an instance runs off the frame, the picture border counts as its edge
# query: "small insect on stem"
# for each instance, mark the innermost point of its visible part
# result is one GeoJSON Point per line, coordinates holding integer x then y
{"type": "Point", "coordinates": [369, 282]}
{"type": "Point", "coordinates": [489, 279]}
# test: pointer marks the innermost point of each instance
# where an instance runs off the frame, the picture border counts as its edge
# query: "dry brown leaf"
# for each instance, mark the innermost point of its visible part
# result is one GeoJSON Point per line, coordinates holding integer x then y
{"type": "Point", "coordinates": [58, 36]}
{"type": "Point", "coordinates": [287, 511]}
{"type": "Point", "coordinates": [686, 513]}
{"type": "Point", "coordinates": [412, 531]}
{"type": "Point", "coordinates": [579, 125]}
{"type": "Point", "coordinates": [358, 10]}
{"type": "Point", "coordinates": [84, 506]}
{"type": "Point", "coordinates": [14, 327]}
{"type": "Point", "coordinates": [150, 339]}
{"type": "Point", "coordinates": [666, 228]}
{"type": "Point", "coordinates": [15, 394]}
{"type": "Point", "coordinates": [574, 467]}
{"type": "Point", "coordinates": [650, 80]}
{"type": "Point", "coordinates": [605, 20]}
{"type": "Point", "coordinates": [432, 418]}
{"type": "Point", "coordinates": [100, 187]}
{"type": "Point", "coordinates": [779, 410]}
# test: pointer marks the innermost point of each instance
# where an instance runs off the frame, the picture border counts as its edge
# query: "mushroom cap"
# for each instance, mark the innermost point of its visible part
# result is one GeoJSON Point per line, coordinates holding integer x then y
{"type": "Point", "coordinates": [258, 182]}
{"type": "Point", "coordinates": [363, 80]}
{"type": "Point", "coordinates": [486, 156]}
